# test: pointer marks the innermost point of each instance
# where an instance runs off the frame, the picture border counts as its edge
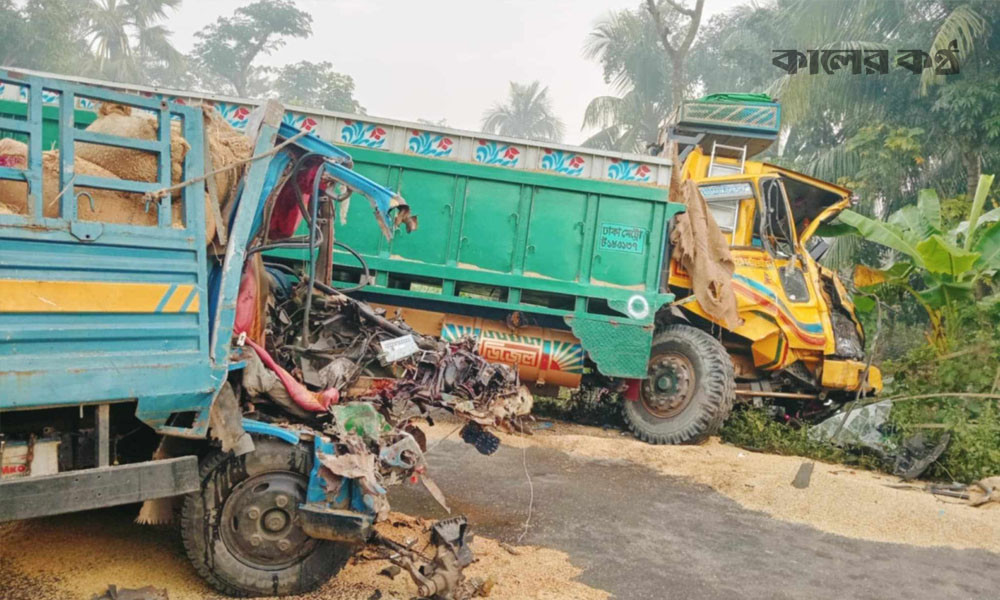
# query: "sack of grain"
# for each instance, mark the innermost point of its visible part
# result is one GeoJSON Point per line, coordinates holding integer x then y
{"type": "Point", "coordinates": [135, 165]}
{"type": "Point", "coordinates": [227, 147]}
{"type": "Point", "coordinates": [108, 206]}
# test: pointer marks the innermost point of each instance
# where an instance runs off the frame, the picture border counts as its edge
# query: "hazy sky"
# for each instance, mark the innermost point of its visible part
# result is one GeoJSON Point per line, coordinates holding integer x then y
{"type": "Point", "coordinates": [445, 59]}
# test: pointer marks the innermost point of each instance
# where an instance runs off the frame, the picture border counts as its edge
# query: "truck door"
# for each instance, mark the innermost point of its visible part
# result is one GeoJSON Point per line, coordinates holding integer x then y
{"type": "Point", "coordinates": [776, 230]}
{"type": "Point", "coordinates": [786, 282]}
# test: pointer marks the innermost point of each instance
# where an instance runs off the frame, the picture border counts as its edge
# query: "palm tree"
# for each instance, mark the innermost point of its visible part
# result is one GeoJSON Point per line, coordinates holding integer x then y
{"type": "Point", "coordinates": [527, 114]}
{"type": "Point", "coordinates": [124, 35]}
{"type": "Point", "coordinates": [626, 44]}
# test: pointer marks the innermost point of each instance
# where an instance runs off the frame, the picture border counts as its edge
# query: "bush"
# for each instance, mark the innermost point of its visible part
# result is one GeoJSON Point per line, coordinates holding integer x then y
{"type": "Point", "coordinates": [971, 365]}
{"type": "Point", "coordinates": [756, 429]}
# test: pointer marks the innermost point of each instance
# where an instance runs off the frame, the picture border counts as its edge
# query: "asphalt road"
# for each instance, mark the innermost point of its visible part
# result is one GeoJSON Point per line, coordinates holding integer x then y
{"type": "Point", "coordinates": [642, 535]}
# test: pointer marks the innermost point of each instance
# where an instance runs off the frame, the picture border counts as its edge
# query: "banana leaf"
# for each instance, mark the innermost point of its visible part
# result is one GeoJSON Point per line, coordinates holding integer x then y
{"type": "Point", "coordinates": [943, 293]}
{"type": "Point", "coordinates": [941, 256]}
{"type": "Point", "coordinates": [886, 234]}
{"type": "Point", "coordinates": [982, 188]}
{"type": "Point", "coordinates": [988, 247]}
{"type": "Point", "coordinates": [914, 225]}
{"type": "Point", "coordinates": [929, 206]}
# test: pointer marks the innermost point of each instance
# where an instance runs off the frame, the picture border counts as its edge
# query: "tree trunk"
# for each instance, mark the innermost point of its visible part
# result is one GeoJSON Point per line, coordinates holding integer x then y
{"type": "Point", "coordinates": [973, 168]}
{"type": "Point", "coordinates": [678, 81]}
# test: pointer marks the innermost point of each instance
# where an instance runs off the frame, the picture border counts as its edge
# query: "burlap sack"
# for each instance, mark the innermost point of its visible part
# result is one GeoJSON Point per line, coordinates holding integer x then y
{"type": "Point", "coordinates": [227, 146]}
{"type": "Point", "coordinates": [108, 206]}
{"type": "Point", "coordinates": [135, 165]}
{"type": "Point", "coordinates": [701, 248]}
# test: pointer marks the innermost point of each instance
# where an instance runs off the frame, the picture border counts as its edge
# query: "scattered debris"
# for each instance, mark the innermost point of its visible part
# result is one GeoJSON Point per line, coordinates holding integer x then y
{"type": "Point", "coordinates": [868, 427]}
{"type": "Point", "coordinates": [991, 491]}
{"type": "Point", "coordinates": [979, 493]}
{"type": "Point", "coordinates": [360, 383]}
{"type": "Point", "coordinates": [440, 577]}
{"type": "Point", "coordinates": [509, 548]}
{"type": "Point", "coordinates": [803, 476]}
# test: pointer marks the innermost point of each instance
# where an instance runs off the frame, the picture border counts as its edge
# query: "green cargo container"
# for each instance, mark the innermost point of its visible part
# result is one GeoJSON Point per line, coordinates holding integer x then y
{"type": "Point", "coordinates": [574, 253]}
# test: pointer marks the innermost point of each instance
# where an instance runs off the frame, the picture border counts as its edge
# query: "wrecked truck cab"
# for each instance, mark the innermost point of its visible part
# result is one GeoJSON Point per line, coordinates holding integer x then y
{"type": "Point", "coordinates": [799, 337]}
{"type": "Point", "coordinates": [124, 331]}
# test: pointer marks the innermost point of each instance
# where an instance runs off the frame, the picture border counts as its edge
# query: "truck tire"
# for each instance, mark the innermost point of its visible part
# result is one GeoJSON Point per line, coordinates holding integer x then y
{"type": "Point", "coordinates": [689, 392]}
{"type": "Point", "coordinates": [241, 530]}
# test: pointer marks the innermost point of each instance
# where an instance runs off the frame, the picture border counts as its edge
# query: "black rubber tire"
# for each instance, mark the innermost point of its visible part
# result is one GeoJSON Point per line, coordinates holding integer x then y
{"type": "Point", "coordinates": [201, 517]}
{"type": "Point", "coordinates": [715, 390]}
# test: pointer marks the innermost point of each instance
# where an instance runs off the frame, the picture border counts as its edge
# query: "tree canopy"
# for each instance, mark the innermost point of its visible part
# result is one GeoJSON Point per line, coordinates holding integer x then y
{"type": "Point", "coordinates": [527, 114]}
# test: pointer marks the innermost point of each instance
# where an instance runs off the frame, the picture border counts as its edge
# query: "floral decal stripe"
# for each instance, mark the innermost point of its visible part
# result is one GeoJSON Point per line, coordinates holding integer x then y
{"type": "Point", "coordinates": [429, 144]}
{"type": "Point", "coordinates": [624, 170]}
{"type": "Point", "coordinates": [496, 153]}
{"type": "Point", "coordinates": [567, 163]}
{"type": "Point", "coordinates": [359, 133]}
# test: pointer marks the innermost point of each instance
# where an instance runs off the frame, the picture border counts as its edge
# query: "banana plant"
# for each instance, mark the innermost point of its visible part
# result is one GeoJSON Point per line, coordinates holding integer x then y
{"type": "Point", "coordinates": [947, 263]}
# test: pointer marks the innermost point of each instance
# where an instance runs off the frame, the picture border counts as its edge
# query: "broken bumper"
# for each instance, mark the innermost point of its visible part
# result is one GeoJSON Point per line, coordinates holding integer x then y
{"type": "Point", "coordinates": [846, 375]}
{"type": "Point", "coordinates": [336, 525]}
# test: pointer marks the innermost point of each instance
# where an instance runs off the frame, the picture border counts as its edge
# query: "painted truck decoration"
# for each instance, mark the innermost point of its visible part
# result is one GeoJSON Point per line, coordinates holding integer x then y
{"type": "Point", "coordinates": [561, 257]}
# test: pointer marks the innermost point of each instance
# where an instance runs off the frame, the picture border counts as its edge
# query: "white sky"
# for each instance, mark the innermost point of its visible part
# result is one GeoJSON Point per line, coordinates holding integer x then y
{"type": "Point", "coordinates": [445, 59]}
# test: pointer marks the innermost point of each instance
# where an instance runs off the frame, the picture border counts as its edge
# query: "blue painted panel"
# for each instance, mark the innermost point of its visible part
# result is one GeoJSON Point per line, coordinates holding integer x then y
{"type": "Point", "coordinates": [70, 354]}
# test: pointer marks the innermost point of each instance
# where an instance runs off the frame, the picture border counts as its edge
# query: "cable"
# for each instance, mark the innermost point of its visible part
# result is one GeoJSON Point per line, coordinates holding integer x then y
{"type": "Point", "coordinates": [531, 491]}
{"type": "Point", "coordinates": [313, 225]}
{"type": "Point", "coordinates": [366, 275]}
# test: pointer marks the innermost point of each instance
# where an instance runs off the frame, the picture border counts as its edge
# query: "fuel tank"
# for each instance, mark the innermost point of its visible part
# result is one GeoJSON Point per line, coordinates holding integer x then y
{"type": "Point", "coordinates": [542, 355]}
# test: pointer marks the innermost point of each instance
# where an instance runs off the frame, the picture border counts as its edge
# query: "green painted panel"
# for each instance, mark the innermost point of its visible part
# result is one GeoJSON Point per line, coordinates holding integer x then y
{"type": "Point", "coordinates": [555, 234]}
{"type": "Point", "coordinates": [620, 349]}
{"type": "Point", "coordinates": [622, 246]}
{"type": "Point", "coordinates": [50, 121]}
{"type": "Point", "coordinates": [489, 225]}
{"type": "Point", "coordinates": [361, 231]}
{"type": "Point", "coordinates": [431, 196]}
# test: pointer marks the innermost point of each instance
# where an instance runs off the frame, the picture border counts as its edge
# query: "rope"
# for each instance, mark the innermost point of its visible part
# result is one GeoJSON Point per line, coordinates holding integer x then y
{"type": "Point", "coordinates": [167, 191]}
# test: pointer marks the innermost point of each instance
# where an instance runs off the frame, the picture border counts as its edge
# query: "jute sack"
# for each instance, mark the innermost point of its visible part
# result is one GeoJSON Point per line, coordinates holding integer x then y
{"type": "Point", "coordinates": [135, 165]}
{"type": "Point", "coordinates": [108, 206]}
{"type": "Point", "coordinates": [227, 146]}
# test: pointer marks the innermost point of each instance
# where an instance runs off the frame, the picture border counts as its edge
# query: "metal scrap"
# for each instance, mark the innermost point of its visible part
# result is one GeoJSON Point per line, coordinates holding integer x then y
{"type": "Point", "coordinates": [360, 385]}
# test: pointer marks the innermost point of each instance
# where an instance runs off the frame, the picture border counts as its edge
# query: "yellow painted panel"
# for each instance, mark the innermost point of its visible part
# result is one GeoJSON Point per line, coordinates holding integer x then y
{"type": "Point", "coordinates": [24, 296]}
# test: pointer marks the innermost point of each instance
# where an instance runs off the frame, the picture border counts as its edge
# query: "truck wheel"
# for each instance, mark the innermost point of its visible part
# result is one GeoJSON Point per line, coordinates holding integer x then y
{"type": "Point", "coordinates": [241, 530]}
{"type": "Point", "coordinates": [689, 391]}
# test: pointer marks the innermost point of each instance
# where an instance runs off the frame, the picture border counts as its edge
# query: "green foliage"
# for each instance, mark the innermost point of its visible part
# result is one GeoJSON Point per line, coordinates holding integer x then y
{"type": "Point", "coordinates": [527, 114]}
{"type": "Point", "coordinates": [971, 365]}
{"type": "Point", "coordinates": [43, 35]}
{"type": "Point", "coordinates": [229, 47]}
{"type": "Point", "coordinates": [626, 44]}
{"type": "Point", "coordinates": [316, 85]}
{"type": "Point", "coordinates": [125, 34]}
{"type": "Point", "coordinates": [948, 272]}
{"type": "Point", "coordinates": [757, 430]}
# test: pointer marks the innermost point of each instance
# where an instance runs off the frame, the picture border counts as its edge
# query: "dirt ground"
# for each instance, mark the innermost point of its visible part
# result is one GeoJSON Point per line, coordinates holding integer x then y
{"type": "Point", "coordinates": [77, 556]}
{"type": "Point", "coordinates": [73, 557]}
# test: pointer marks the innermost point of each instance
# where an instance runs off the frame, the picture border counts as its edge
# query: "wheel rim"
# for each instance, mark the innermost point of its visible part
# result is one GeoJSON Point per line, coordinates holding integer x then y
{"type": "Point", "coordinates": [260, 522]}
{"type": "Point", "coordinates": [670, 386]}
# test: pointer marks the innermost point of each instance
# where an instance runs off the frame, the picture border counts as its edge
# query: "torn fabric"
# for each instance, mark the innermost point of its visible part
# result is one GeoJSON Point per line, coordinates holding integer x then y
{"type": "Point", "coordinates": [701, 248]}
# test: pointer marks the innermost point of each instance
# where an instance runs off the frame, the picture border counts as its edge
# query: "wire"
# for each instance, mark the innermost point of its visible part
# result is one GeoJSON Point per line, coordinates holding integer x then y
{"type": "Point", "coordinates": [531, 491]}
{"type": "Point", "coordinates": [313, 225]}
{"type": "Point", "coordinates": [366, 275]}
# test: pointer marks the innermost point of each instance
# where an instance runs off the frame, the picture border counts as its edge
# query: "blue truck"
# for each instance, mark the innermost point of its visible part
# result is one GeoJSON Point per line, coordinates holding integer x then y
{"type": "Point", "coordinates": [118, 349]}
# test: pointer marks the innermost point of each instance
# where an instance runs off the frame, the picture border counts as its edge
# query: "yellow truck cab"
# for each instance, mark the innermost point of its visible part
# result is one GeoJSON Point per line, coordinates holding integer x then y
{"type": "Point", "coordinates": [799, 337]}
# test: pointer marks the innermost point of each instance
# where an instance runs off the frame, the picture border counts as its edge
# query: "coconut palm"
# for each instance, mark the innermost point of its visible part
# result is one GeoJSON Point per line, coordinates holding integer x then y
{"type": "Point", "coordinates": [527, 114]}
{"type": "Point", "coordinates": [126, 34]}
{"type": "Point", "coordinates": [626, 44]}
